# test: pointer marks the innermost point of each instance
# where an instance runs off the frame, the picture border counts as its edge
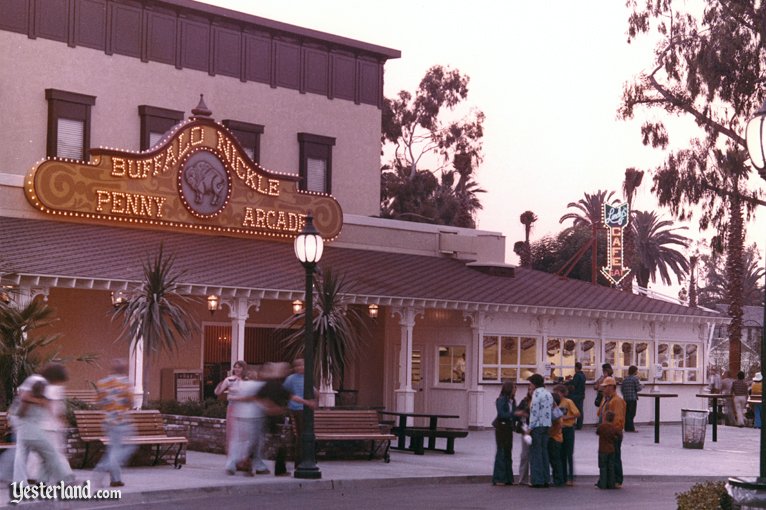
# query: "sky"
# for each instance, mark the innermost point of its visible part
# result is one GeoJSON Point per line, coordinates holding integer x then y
{"type": "Point", "coordinates": [548, 76]}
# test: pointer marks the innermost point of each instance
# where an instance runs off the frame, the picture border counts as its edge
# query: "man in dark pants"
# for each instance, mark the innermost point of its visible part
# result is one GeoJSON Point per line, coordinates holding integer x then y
{"type": "Point", "coordinates": [576, 387]}
{"type": "Point", "coordinates": [630, 388]}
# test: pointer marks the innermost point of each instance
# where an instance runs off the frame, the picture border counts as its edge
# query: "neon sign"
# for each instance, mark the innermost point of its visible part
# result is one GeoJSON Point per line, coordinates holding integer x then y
{"type": "Point", "coordinates": [616, 218]}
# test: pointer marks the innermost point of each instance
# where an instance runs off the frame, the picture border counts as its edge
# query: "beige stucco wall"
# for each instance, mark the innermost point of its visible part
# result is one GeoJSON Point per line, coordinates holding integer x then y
{"type": "Point", "coordinates": [121, 84]}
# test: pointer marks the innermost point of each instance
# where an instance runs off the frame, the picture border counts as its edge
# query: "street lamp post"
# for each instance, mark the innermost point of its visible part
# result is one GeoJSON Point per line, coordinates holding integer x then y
{"type": "Point", "coordinates": [754, 489]}
{"type": "Point", "coordinates": [308, 248]}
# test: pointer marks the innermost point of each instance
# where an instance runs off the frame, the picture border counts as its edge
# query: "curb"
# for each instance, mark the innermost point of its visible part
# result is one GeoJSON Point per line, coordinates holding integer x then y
{"type": "Point", "coordinates": [272, 487]}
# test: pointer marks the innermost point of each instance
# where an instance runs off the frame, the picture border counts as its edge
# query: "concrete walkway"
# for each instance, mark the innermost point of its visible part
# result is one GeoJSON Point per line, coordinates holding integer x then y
{"type": "Point", "coordinates": [735, 454]}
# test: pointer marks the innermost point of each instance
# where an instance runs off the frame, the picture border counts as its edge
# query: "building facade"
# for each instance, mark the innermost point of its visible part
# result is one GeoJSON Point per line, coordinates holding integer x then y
{"type": "Point", "coordinates": [108, 152]}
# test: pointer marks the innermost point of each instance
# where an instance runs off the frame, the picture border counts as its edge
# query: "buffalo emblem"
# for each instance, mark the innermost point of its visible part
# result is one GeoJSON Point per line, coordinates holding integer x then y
{"type": "Point", "coordinates": [204, 179]}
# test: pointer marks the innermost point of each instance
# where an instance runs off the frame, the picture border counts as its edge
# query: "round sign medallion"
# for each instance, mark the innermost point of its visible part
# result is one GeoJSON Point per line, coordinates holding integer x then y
{"type": "Point", "coordinates": [204, 184]}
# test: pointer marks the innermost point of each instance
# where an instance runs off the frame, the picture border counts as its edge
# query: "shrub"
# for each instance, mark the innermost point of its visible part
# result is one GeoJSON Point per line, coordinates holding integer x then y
{"type": "Point", "coordinates": [73, 405]}
{"type": "Point", "coordinates": [209, 408]}
{"type": "Point", "coordinates": [705, 496]}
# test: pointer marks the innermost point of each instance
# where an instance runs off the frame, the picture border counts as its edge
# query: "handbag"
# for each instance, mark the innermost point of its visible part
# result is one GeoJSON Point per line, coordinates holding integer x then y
{"type": "Point", "coordinates": [599, 398]}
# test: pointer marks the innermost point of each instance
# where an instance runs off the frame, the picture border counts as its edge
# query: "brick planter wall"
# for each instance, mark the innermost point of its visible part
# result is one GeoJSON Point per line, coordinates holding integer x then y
{"type": "Point", "coordinates": [205, 434]}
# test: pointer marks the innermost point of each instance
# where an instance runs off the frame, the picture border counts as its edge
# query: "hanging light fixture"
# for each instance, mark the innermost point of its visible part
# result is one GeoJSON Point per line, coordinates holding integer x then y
{"type": "Point", "coordinates": [297, 306]}
{"type": "Point", "coordinates": [213, 303]}
{"type": "Point", "coordinates": [372, 310]}
{"type": "Point", "coordinates": [119, 297]}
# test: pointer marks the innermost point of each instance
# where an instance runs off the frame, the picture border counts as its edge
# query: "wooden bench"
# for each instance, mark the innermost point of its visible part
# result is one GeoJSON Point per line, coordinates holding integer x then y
{"type": "Point", "coordinates": [87, 396]}
{"type": "Point", "coordinates": [418, 434]}
{"type": "Point", "coordinates": [5, 429]}
{"type": "Point", "coordinates": [149, 430]}
{"type": "Point", "coordinates": [353, 425]}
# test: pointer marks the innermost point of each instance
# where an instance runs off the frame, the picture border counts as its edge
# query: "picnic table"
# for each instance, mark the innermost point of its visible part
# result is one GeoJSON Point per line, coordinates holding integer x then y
{"type": "Point", "coordinates": [657, 396]}
{"type": "Point", "coordinates": [417, 434]}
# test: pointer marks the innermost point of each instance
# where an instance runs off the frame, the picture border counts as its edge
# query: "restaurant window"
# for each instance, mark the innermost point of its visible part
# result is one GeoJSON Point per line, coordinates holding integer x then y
{"type": "Point", "coordinates": [155, 124]}
{"type": "Point", "coordinates": [680, 362]}
{"type": "Point", "coordinates": [68, 124]}
{"type": "Point", "coordinates": [452, 364]}
{"type": "Point", "coordinates": [562, 354]}
{"type": "Point", "coordinates": [315, 162]}
{"type": "Point", "coordinates": [508, 358]}
{"type": "Point", "coordinates": [249, 137]}
{"type": "Point", "coordinates": [621, 354]}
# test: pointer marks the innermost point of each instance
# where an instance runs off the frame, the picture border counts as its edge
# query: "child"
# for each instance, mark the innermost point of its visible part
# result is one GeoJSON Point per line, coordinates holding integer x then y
{"type": "Point", "coordinates": [555, 446]}
{"type": "Point", "coordinates": [607, 433]}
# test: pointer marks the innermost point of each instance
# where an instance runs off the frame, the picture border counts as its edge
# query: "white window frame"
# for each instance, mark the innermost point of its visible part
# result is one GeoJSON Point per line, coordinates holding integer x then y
{"type": "Point", "coordinates": [522, 370]}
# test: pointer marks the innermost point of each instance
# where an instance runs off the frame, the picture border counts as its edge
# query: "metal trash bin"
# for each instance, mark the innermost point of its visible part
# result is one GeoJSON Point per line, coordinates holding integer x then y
{"type": "Point", "coordinates": [693, 428]}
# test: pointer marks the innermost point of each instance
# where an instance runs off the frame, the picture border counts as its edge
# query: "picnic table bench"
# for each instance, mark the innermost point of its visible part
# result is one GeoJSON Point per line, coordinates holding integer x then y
{"type": "Point", "coordinates": [353, 425]}
{"type": "Point", "coordinates": [418, 434]}
{"type": "Point", "coordinates": [4, 431]}
{"type": "Point", "coordinates": [149, 430]}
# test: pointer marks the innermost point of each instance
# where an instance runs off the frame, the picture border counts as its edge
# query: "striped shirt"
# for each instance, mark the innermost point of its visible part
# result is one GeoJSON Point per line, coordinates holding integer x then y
{"type": "Point", "coordinates": [739, 388]}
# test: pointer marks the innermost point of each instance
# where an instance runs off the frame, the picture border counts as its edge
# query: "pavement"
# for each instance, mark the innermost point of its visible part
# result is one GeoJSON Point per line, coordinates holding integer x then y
{"type": "Point", "coordinates": [736, 453]}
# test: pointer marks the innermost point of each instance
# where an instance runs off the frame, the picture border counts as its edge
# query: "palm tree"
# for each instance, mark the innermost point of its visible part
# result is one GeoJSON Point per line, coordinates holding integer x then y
{"type": "Point", "coordinates": [713, 273]}
{"type": "Point", "coordinates": [339, 331]}
{"type": "Point", "coordinates": [19, 350]}
{"type": "Point", "coordinates": [589, 209]}
{"type": "Point", "coordinates": [630, 185]}
{"type": "Point", "coordinates": [156, 313]}
{"type": "Point", "coordinates": [527, 218]}
{"type": "Point", "coordinates": [654, 249]}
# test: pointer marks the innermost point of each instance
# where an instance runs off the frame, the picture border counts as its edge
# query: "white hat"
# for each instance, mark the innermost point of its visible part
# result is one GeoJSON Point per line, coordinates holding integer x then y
{"type": "Point", "coordinates": [758, 377]}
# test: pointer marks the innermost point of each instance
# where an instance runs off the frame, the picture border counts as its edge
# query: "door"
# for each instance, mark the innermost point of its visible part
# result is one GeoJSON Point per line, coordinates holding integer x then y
{"type": "Point", "coordinates": [419, 381]}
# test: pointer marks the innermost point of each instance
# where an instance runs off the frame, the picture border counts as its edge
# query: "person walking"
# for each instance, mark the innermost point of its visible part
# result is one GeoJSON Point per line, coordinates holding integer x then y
{"type": "Point", "coordinates": [522, 426]}
{"type": "Point", "coordinates": [756, 390]}
{"type": "Point", "coordinates": [613, 402]}
{"type": "Point", "coordinates": [294, 384]}
{"type": "Point", "coordinates": [576, 392]}
{"type": "Point", "coordinates": [630, 387]}
{"type": "Point", "coordinates": [37, 425]}
{"type": "Point", "coordinates": [540, 413]}
{"type": "Point", "coordinates": [571, 415]}
{"type": "Point", "coordinates": [115, 397]}
{"type": "Point", "coordinates": [739, 390]}
{"type": "Point", "coordinates": [505, 404]}
{"type": "Point", "coordinates": [726, 384]}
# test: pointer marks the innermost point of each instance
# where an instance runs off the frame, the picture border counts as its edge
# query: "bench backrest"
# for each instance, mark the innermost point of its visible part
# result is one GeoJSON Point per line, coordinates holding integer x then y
{"type": "Point", "coordinates": [146, 423]}
{"type": "Point", "coordinates": [349, 421]}
{"type": "Point", "coordinates": [87, 396]}
{"type": "Point", "coordinates": [3, 425]}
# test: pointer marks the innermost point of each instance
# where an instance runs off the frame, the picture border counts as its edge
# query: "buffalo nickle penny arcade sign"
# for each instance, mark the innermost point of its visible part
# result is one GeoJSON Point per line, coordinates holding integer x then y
{"type": "Point", "coordinates": [198, 179]}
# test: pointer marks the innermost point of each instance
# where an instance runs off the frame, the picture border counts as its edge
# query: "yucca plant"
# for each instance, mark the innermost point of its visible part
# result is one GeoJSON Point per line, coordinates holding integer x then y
{"type": "Point", "coordinates": [20, 350]}
{"type": "Point", "coordinates": [156, 313]}
{"type": "Point", "coordinates": [339, 330]}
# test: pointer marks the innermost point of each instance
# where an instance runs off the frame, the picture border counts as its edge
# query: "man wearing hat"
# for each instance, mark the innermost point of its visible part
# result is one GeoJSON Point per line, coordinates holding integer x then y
{"type": "Point", "coordinates": [756, 390]}
{"type": "Point", "coordinates": [613, 402]}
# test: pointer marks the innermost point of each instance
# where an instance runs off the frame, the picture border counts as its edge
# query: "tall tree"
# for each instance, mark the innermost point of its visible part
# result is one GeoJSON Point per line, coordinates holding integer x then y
{"type": "Point", "coordinates": [551, 253]}
{"type": "Point", "coordinates": [156, 313]}
{"type": "Point", "coordinates": [589, 210]}
{"type": "Point", "coordinates": [656, 249]}
{"type": "Point", "coordinates": [708, 66]}
{"type": "Point", "coordinates": [714, 284]}
{"type": "Point", "coordinates": [420, 130]}
{"type": "Point", "coordinates": [630, 185]}
{"type": "Point", "coordinates": [524, 252]}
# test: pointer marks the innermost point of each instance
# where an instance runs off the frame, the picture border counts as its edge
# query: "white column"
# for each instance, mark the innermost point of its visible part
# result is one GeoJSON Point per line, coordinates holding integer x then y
{"type": "Point", "coordinates": [405, 394]}
{"type": "Point", "coordinates": [26, 295]}
{"type": "Point", "coordinates": [473, 360]}
{"type": "Point", "coordinates": [239, 311]}
{"type": "Point", "coordinates": [136, 371]}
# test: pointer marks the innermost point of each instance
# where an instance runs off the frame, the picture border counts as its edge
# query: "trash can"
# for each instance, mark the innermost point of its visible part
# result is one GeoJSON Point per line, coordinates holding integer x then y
{"type": "Point", "coordinates": [693, 428]}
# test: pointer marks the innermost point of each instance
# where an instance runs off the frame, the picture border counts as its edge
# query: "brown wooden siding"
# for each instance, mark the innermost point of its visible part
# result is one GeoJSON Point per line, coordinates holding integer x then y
{"type": "Point", "coordinates": [173, 33]}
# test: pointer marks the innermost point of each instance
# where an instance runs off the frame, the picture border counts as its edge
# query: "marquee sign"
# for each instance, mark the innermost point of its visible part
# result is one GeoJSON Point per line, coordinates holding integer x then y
{"type": "Point", "coordinates": [615, 218]}
{"type": "Point", "coordinates": [198, 179]}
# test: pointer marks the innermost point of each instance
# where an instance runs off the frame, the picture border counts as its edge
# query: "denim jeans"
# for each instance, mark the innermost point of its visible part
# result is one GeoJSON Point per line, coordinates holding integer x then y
{"type": "Point", "coordinates": [567, 453]}
{"type": "Point", "coordinates": [539, 463]}
{"type": "Point", "coordinates": [618, 460]}
{"type": "Point", "coordinates": [117, 452]}
{"type": "Point", "coordinates": [554, 454]}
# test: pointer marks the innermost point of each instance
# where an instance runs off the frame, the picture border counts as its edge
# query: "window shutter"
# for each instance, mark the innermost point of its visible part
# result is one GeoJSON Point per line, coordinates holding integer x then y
{"type": "Point", "coordinates": [316, 175]}
{"type": "Point", "coordinates": [71, 138]}
{"type": "Point", "coordinates": [155, 138]}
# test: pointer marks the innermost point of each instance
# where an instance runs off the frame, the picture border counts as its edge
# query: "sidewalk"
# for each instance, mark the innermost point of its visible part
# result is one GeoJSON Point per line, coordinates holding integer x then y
{"type": "Point", "coordinates": [735, 454]}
